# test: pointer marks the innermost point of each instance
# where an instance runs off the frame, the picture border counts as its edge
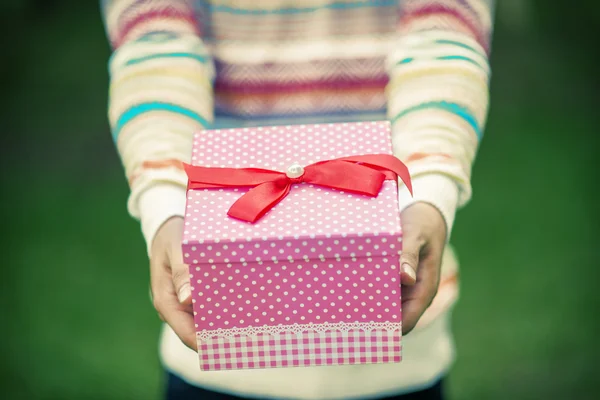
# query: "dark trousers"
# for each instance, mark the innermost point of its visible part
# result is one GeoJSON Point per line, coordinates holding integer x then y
{"type": "Point", "coordinates": [177, 389]}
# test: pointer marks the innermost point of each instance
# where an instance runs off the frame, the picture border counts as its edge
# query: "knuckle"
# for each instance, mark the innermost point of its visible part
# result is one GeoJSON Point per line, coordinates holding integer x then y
{"type": "Point", "coordinates": [180, 274]}
{"type": "Point", "coordinates": [179, 270]}
{"type": "Point", "coordinates": [421, 239]}
{"type": "Point", "coordinates": [429, 301]}
{"type": "Point", "coordinates": [407, 327]}
{"type": "Point", "coordinates": [410, 256]}
{"type": "Point", "coordinates": [158, 304]}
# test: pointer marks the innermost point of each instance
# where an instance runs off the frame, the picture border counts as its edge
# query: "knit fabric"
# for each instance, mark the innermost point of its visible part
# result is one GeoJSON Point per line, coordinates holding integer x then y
{"type": "Point", "coordinates": [179, 66]}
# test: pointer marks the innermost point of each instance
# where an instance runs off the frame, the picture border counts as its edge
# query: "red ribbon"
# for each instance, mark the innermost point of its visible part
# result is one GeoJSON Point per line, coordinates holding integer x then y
{"type": "Point", "coordinates": [358, 174]}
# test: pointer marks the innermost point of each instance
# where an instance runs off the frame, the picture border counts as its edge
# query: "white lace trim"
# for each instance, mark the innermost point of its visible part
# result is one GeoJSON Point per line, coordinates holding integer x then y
{"type": "Point", "coordinates": [275, 330]}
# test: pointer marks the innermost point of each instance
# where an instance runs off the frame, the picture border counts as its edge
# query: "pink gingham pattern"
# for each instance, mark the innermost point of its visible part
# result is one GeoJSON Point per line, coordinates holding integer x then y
{"type": "Point", "coordinates": [309, 348]}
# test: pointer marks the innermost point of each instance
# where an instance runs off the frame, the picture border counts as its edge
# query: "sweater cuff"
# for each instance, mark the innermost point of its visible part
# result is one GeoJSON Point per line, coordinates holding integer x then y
{"type": "Point", "coordinates": [157, 204]}
{"type": "Point", "coordinates": [438, 190]}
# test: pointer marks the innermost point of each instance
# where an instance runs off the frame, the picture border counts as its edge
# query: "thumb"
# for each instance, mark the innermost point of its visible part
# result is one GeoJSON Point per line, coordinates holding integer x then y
{"type": "Point", "coordinates": [181, 276]}
{"type": "Point", "coordinates": [181, 282]}
{"type": "Point", "coordinates": [409, 259]}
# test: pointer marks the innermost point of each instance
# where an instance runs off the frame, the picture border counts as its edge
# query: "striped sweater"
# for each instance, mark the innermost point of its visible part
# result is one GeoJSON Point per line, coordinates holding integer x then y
{"type": "Point", "coordinates": [179, 66]}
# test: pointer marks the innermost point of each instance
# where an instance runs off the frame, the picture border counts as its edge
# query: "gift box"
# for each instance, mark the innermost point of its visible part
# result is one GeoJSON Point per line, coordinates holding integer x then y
{"type": "Point", "coordinates": [293, 238]}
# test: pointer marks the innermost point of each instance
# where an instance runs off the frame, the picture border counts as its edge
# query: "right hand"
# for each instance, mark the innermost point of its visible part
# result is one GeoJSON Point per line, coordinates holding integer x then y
{"type": "Point", "coordinates": [170, 281]}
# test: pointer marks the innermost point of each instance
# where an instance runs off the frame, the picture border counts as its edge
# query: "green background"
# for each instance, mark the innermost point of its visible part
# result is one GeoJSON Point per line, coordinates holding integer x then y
{"type": "Point", "coordinates": [76, 318]}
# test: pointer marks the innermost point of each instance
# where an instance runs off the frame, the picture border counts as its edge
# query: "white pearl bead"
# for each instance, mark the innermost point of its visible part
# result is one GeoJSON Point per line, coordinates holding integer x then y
{"type": "Point", "coordinates": [294, 171]}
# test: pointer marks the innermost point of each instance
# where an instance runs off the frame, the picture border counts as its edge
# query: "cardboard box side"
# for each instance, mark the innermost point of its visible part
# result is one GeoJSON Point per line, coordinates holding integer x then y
{"type": "Point", "coordinates": [231, 300]}
{"type": "Point", "coordinates": [293, 249]}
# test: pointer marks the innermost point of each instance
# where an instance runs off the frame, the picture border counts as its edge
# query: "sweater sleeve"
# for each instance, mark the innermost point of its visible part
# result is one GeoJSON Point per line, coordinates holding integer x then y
{"type": "Point", "coordinates": [161, 92]}
{"type": "Point", "coordinates": [438, 97]}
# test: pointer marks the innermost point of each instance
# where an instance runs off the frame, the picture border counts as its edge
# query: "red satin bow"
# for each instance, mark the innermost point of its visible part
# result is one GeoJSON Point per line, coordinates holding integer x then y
{"type": "Point", "coordinates": [358, 174]}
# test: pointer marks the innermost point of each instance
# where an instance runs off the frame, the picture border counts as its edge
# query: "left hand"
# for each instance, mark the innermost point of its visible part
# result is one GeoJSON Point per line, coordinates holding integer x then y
{"type": "Point", "coordinates": [170, 281]}
{"type": "Point", "coordinates": [423, 242]}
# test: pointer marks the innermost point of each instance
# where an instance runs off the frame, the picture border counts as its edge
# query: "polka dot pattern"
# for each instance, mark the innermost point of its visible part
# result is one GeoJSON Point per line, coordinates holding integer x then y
{"type": "Point", "coordinates": [320, 255]}
{"type": "Point", "coordinates": [308, 211]}
{"type": "Point", "coordinates": [358, 290]}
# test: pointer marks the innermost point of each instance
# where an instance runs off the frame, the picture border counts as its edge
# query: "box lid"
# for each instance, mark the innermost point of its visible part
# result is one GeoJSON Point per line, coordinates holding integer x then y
{"type": "Point", "coordinates": [311, 222]}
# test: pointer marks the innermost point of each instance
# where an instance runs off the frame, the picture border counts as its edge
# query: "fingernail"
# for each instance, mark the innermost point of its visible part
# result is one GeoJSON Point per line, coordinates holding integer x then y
{"type": "Point", "coordinates": [408, 270]}
{"type": "Point", "coordinates": [184, 293]}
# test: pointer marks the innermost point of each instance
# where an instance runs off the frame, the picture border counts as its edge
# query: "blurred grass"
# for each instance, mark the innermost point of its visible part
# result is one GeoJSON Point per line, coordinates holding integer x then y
{"type": "Point", "coordinates": [79, 324]}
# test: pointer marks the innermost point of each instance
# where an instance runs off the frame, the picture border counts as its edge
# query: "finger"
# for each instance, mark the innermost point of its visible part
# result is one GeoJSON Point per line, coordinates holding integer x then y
{"type": "Point", "coordinates": [180, 320]}
{"type": "Point", "coordinates": [176, 315]}
{"type": "Point", "coordinates": [180, 275]}
{"type": "Point", "coordinates": [416, 299]}
{"type": "Point", "coordinates": [408, 276]}
{"type": "Point", "coordinates": [409, 259]}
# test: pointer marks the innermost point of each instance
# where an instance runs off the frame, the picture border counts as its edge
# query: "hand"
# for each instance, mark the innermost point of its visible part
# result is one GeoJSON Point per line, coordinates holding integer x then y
{"type": "Point", "coordinates": [424, 238]}
{"type": "Point", "coordinates": [423, 242]}
{"type": "Point", "coordinates": [170, 281]}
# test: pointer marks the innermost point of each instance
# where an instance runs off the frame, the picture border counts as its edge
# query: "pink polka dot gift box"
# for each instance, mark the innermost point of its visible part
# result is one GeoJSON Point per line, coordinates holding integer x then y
{"type": "Point", "coordinates": [293, 237]}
